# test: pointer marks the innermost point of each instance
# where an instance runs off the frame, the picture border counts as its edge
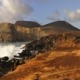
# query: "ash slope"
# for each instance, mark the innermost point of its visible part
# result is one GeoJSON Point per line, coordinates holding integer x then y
{"type": "Point", "coordinates": [52, 65]}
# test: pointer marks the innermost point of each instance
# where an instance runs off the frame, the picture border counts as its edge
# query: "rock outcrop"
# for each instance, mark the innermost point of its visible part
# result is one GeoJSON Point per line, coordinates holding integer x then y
{"type": "Point", "coordinates": [66, 40]}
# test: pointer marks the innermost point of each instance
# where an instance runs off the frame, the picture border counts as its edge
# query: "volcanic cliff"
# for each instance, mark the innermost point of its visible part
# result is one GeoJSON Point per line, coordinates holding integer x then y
{"type": "Point", "coordinates": [29, 30]}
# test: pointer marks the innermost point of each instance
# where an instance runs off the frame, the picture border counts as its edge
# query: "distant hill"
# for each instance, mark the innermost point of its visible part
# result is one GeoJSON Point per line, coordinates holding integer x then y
{"type": "Point", "coordinates": [29, 24]}
{"type": "Point", "coordinates": [30, 30]}
{"type": "Point", "coordinates": [60, 26]}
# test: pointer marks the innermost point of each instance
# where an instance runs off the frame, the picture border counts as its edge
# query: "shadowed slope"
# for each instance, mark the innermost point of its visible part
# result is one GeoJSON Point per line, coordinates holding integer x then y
{"type": "Point", "coordinates": [29, 24]}
{"type": "Point", "coordinates": [60, 26]}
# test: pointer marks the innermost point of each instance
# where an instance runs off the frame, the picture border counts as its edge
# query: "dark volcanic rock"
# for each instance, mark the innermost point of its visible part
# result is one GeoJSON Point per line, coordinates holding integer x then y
{"type": "Point", "coordinates": [59, 26]}
{"type": "Point", "coordinates": [29, 24]}
{"type": "Point", "coordinates": [67, 40]}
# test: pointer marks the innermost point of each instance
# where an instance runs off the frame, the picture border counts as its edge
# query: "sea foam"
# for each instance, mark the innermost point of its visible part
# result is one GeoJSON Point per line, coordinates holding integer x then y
{"type": "Point", "coordinates": [10, 50]}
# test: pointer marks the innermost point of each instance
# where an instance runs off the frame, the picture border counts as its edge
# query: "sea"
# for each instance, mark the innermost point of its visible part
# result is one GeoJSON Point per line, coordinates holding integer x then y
{"type": "Point", "coordinates": [10, 49]}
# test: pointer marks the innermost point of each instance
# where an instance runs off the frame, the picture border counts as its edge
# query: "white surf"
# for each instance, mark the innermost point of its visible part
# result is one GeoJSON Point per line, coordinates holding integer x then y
{"type": "Point", "coordinates": [11, 49]}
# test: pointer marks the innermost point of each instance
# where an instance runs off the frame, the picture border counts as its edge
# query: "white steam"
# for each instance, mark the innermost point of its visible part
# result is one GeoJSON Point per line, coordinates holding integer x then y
{"type": "Point", "coordinates": [9, 50]}
{"type": "Point", "coordinates": [13, 10]}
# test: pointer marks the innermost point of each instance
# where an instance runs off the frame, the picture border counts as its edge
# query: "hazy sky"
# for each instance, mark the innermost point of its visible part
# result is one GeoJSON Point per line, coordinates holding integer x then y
{"type": "Point", "coordinates": [42, 11]}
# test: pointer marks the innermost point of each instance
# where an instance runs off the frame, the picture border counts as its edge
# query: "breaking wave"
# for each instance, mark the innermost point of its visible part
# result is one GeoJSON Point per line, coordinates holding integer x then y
{"type": "Point", "coordinates": [10, 49]}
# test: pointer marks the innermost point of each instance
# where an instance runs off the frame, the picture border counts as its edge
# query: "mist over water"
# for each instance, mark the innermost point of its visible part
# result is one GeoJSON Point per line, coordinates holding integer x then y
{"type": "Point", "coordinates": [11, 49]}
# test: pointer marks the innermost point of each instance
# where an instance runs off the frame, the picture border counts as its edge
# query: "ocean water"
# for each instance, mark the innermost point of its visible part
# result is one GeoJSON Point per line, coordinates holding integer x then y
{"type": "Point", "coordinates": [11, 49]}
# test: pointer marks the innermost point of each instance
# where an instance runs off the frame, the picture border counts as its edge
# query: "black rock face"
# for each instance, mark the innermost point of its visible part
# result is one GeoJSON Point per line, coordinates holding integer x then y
{"type": "Point", "coordinates": [29, 24]}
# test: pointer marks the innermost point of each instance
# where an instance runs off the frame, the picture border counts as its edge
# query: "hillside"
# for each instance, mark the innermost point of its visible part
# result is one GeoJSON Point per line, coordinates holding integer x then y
{"type": "Point", "coordinates": [29, 24]}
{"type": "Point", "coordinates": [59, 26]}
{"type": "Point", "coordinates": [51, 65]}
{"type": "Point", "coordinates": [61, 62]}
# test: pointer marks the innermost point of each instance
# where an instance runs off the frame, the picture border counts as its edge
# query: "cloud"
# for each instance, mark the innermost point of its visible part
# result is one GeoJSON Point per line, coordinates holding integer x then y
{"type": "Point", "coordinates": [13, 10]}
{"type": "Point", "coordinates": [72, 16]}
{"type": "Point", "coordinates": [55, 16]}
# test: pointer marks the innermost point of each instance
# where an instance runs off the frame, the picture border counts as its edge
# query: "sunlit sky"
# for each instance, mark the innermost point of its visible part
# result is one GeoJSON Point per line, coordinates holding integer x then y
{"type": "Point", "coordinates": [42, 11]}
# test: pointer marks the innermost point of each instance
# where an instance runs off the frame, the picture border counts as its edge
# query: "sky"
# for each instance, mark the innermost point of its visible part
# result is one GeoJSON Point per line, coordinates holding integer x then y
{"type": "Point", "coordinates": [41, 11]}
